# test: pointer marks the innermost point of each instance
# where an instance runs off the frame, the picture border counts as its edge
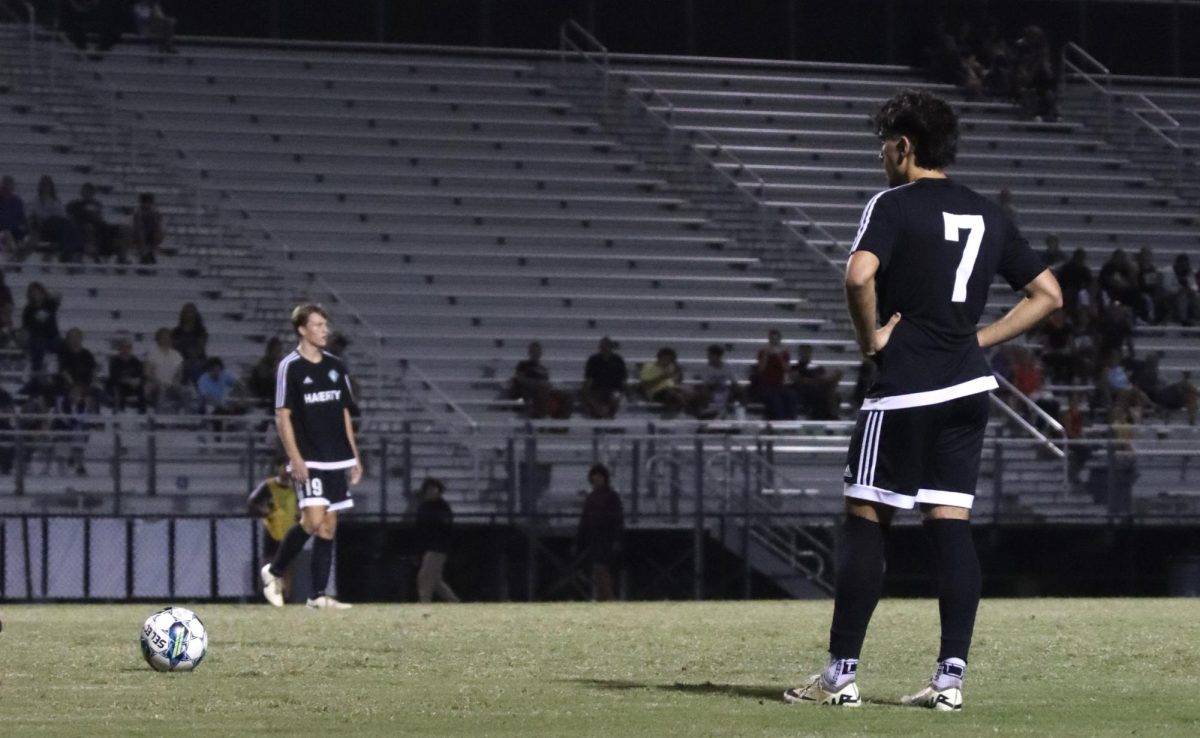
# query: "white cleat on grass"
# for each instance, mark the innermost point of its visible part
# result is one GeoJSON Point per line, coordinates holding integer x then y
{"type": "Point", "coordinates": [942, 700]}
{"type": "Point", "coordinates": [272, 586]}
{"type": "Point", "coordinates": [819, 691]}
{"type": "Point", "coordinates": [325, 602]}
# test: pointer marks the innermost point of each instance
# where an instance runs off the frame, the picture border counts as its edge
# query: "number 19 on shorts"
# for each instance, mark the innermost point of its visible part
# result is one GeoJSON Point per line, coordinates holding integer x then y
{"type": "Point", "coordinates": [312, 488]}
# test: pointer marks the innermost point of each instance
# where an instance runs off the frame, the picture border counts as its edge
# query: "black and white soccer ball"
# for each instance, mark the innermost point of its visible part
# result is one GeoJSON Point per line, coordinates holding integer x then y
{"type": "Point", "coordinates": [174, 639]}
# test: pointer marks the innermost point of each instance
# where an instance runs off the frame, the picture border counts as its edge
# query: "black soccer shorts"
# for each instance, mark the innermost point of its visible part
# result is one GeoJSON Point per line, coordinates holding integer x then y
{"type": "Point", "coordinates": [918, 455]}
{"type": "Point", "coordinates": [326, 488]}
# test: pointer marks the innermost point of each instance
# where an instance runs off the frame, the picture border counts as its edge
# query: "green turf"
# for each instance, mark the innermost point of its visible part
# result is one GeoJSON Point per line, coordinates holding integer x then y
{"type": "Point", "coordinates": [1038, 667]}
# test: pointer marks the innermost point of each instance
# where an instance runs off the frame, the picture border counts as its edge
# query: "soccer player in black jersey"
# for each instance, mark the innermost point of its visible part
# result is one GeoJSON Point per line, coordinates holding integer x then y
{"type": "Point", "coordinates": [312, 401]}
{"type": "Point", "coordinates": [925, 255]}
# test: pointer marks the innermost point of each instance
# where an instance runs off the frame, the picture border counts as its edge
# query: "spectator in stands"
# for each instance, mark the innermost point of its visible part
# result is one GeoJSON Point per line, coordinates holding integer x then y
{"type": "Point", "coordinates": [1181, 395]}
{"type": "Point", "coordinates": [261, 379]}
{"type": "Point", "coordinates": [1053, 255]}
{"type": "Point", "coordinates": [154, 25]}
{"type": "Point", "coordinates": [126, 381]}
{"type": "Point", "coordinates": [1075, 277]}
{"type": "Point", "coordinates": [6, 297]}
{"type": "Point", "coordinates": [14, 227]}
{"type": "Point", "coordinates": [164, 373]}
{"type": "Point", "coordinates": [531, 384]}
{"type": "Point", "coordinates": [1115, 331]}
{"type": "Point", "coordinates": [600, 528]}
{"type": "Point", "coordinates": [816, 387]}
{"type": "Point", "coordinates": [215, 388]}
{"type": "Point", "coordinates": [435, 525]}
{"type": "Point", "coordinates": [98, 237]}
{"type": "Point", "coordinates": [604, 378]}
{"type": "Point", "coordinates": [717, 389]}
{"type": "Point", "coordinates": [1116, 390]}
{"type": "Point", "coordinates": [661, 381]}
{"type": "Point", "coordinates": [8, 330]}
{"type": "Point", "coordinates": [1035, 82]}
{"type": "Point", "coordinates": [1058, 348]}
{"type": "Point", "coordinates": [769, 381]}
{"type": "Point", "coordinates": [49, 222]}
{"type": "Point", "coordinates": [1152, 296]}
{"type": "Point", "coordinates": [39, 320]}
{"type": "Point", "coordinates": [70, 423]}
{"type": "Point", "coordinates": [1005, 201]}
{"type": "Point", "coordinates": [76, 363]}
{"type": "Point", "coordinates": [148, 232]}
{"type": "Point", "coordinates": [1184, 300]}
{"type": "Point", "coordinates": [996, 56]}
{"type": "Point", "coordinates": [1118, 278]}
{"type": "Point", "coordinates": [190, 339]}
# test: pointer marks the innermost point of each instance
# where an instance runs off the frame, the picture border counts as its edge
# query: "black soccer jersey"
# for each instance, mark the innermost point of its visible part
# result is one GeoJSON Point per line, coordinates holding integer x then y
{"type": "Point", "coordinates": [317, 394]}
{"type": "Point", "coordinates": [939, 245]}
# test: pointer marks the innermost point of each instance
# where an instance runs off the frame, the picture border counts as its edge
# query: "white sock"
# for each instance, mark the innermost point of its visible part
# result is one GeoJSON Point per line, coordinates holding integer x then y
{"type": "Point", "coordinates": [949, 674]}
{"type": "Point", "coordinates": [841, 672]}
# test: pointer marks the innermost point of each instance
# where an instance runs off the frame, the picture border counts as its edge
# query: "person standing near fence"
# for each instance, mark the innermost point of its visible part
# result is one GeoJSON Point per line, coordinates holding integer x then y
{"type": "Point", "coordinates": [275, 500]}
{"type": "Point", "coordinates": [600, 527]}
{"type": "Point", "coordinates": [312, 415]}
{"type": "Point", "coordinates": [435, 524]}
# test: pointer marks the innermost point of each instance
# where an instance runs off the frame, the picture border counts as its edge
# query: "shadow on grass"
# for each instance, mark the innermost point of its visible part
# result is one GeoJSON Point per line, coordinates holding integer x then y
{"type": "Point", "coordinates": [772, 693]}
{"type": "Point", "coordinates": [742, 691]}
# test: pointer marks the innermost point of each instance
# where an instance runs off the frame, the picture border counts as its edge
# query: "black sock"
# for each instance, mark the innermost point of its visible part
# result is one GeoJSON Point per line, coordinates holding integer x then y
{"type": "Point", "coordinates": [959, 582]}
{"type": "Point", "coordinates": [858, 587]}
{"type": "Point", "coordinates": [291, 544]}
{"type": "Point", "coordinates": [322, 562]}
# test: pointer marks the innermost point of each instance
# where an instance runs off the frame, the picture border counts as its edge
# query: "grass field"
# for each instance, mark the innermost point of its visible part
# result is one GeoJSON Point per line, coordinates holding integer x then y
{"type": "Point", "coordinates": [1038, 667]}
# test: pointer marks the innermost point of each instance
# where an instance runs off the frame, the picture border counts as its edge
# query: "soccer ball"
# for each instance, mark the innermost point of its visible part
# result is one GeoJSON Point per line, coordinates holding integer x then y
{"type": "Point", "coordinates": [174, 639]}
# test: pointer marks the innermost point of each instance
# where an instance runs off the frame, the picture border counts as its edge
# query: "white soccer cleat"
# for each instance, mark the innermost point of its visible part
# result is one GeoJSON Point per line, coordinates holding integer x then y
{"type": "Point", "coordinates": [272, 586]}
{"type": "Point", "coordinates": [942, 700]}
{"type": "Point", "coordinates": [817, 690]}
{"type": "Point", "coordinates": [325, 602]}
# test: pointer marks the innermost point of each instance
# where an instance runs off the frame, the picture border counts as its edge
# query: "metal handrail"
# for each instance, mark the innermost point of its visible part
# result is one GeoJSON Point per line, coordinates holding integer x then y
{"type": "Point", "coordinates": [455, 408]}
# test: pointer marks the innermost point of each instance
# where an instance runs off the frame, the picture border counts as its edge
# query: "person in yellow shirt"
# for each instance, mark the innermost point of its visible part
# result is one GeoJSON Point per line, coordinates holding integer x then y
{"type": "Point", "coordinates": [661, 381]}
{"type": "Point", "coordinates": [275, 500]}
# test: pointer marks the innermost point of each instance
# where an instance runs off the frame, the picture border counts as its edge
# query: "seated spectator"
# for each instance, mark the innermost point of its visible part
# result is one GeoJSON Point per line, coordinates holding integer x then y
{"type": "Point", "coordinates": [1029, 379]}
{"type": "Point", "coordinates": [14, 227]}
{"type": "Point", "coordinates": [717, 391]}
{"type": "Point", "coordinates": [9, 339]}
{"type": "Point", "coordinates": [531, 384]}
{"type": "Point", "coordinates": [1114, 331]}
{"type": "Point", "coordinates": [6, 297]}
{"type": "Point", "coordinates": [99, 238]}
{"type": "Point", "coordinates": [70, 423]}
{"type": "Point", "coordinates": [1118, 279]}
{"type": "Point", "coordinates": [1181, 395]}
{"type": "Point", "coordinates": [215, 387]}
{"type": "Point", "coordinates": [769, 379]}
{"type": "Point", "coordinates": [1116, 390]}
{"type": "Point", "coordinates": [1053, 255]}
{"type": "Point", "coordinates": [661, 381]}
{"type": "Point", "coordinates": [1184, 301]}
{"type": "Point", "coordinates": [261, 379]}
{"type": "Point", "coordinates": [1078, 452]}
{"type": "Point", "coordinates": [1152, 295]}
{"type": "Point", "coordinates": [126, 382]}
{"type": "Point", "coordinates": [164, 374]}
{"type": "Point", "coordinates": [1075, 277]}
{"type": "Point", "coordinates": [154, 25]}
{"type": "Point", "coordinates": [76, 363]}
{"type": "Point", "coordinates": [816, 387]}
{"type": "Point", "coordinates": [604, 378]}
{"type": "Point", "coordinates": [190, 339]}
{"type": "Point", "coordinates": [1058, 348]}
{"type": "Point", "coordinates": [39, 321]}
{"type": "Point", "coordinates": [147, 230]}
{"type": "Point", "coordinates": [49, 222]}
{"type": "Point", "coordinates": [84, 19]}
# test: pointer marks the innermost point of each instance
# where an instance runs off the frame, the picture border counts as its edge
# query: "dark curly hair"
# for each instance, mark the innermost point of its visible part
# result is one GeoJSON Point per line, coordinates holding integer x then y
{"type": "Point", "coordinates": [928, 121]}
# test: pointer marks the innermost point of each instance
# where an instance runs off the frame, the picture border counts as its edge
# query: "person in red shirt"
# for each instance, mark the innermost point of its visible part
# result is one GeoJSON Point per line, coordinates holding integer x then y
{"type": "Point", "coordinates": [771, 377]}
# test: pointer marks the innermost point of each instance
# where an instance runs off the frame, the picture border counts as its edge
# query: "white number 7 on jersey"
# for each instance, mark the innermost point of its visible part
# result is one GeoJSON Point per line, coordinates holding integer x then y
{"type": "Point", "coordinates": [974, 227]}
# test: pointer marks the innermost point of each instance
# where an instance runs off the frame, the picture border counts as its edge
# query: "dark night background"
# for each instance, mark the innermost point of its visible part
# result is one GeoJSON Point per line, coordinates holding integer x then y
{"type": "Point", "coordinates": [1130, 36]}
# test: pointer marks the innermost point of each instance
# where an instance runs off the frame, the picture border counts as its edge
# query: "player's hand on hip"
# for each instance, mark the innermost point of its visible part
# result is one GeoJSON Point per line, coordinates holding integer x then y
{"type": "Point", "coordinates": [299, 470]}
{"type": "Point", "coordinates": [356, 473]}
{"type": "Point", "coordinates": [884, 334]}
